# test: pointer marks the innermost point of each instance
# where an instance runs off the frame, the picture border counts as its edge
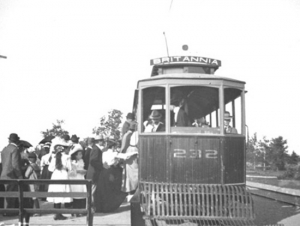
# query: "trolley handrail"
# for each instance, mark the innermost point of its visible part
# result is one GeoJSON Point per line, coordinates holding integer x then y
{"type": "Point", "coordinates": [27, 194]}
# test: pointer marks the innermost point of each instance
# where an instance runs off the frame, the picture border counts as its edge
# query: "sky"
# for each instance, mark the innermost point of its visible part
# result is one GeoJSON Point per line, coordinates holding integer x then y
{"type": "Point", "coordinates": [74, 60]}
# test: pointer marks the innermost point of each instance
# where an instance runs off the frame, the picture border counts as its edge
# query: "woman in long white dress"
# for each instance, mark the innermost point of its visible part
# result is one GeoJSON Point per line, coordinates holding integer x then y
{"type": "Point", "coordinates": [77, 173]}
{"type": "Point", "coordinates": [130, 171]}
{"type": "Point", "coordinates": [60, 167]}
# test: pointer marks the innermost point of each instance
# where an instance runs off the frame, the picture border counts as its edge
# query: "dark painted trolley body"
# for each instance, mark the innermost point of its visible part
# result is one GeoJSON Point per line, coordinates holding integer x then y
{"type": "Point", "coordinates": [187, 173]}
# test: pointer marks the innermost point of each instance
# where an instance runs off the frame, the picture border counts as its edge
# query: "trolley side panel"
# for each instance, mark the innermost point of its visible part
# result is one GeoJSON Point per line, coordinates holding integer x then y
{"type": "Point", "coordinates": [153, 158]}
{"type": "Point", "coordinates": [234, 159]}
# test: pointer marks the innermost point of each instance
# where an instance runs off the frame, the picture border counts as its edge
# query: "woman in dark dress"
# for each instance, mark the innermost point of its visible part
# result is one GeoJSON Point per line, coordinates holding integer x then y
{"type": "Point", "coordinates": [109, 196]}
{"type": "Point", "coordinates": [27, 202]}
{"type": "Point", "coordinates": [46, 174]}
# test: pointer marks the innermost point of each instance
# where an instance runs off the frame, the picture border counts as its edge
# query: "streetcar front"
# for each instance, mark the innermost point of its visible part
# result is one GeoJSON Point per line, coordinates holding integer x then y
{"type": "Point", "coordinates": [191, 126]}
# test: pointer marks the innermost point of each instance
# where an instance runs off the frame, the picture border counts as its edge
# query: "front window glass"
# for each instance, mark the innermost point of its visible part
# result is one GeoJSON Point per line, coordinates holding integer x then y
{"type": "Point", "coordinates": [232, 111]}
{"type": "Point", "coordinates": [194, 109]}
{"type": "Point", "coordinates": [154, 110]}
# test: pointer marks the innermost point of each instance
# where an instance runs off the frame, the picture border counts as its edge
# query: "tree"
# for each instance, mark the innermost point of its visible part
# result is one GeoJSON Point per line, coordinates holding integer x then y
{"type": "Point", "coordinates": [278, 153]}
{"type": "Point", "coordinates": [109, 124]}
{"type": "Point", "coordinates": [264, 150]}
{"type": "Point", "coordinates": [255, 151]}
{"type": "Point", "coordinates": [56, 130]}
{"type": "Point", "coordinates": [251, 151]}
{"type": "Point", "coordinates": [293, 159]}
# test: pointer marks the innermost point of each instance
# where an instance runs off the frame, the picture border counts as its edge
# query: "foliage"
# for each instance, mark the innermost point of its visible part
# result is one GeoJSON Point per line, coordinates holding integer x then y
{"type": "Point", "coordinates": [269, 153]}
{"type": "Point", "coordinates": [251, 150]}
{"type": "Point", "coordinates": [109, 124]}
{"type": "Point", "coordinates": [256, 150]}
{"type": "Point", "coordinates": [278, 153]}
{"type": "Point", "coordinates": [293, 159]}
{"type": "Point", "coordinates": [292, 172]}
{"type": "Point", "coordinates": [56, 130]}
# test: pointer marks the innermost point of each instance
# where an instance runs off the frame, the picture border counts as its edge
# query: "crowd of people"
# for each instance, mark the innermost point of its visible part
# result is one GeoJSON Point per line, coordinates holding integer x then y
{"type": "Point", "coordinates": [110, 164]}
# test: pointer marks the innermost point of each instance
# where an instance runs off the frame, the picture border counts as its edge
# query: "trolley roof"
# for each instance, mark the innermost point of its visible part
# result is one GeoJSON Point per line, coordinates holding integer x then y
{"type": "Point", "coordinates": [190, 76]}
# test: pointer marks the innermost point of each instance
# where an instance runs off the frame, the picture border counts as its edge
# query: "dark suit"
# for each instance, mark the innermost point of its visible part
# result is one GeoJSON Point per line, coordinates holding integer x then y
{"type": "Point", "coordinates": [149, 127]}
{"type": "Point", "coordinates": [86, 158]}
{"type": "Point", "coordinates": [161, 128]}
{"type": "Point", "coordinates": [182, 118]}
{"type": "Point", "coordinates": [11, 159]}
{"type": "Point", "coordinates": [11, 169]}
{"type": "Point", "coordinates": [94, 169]}
{"type": "Point", "coordinates": [95, 164]}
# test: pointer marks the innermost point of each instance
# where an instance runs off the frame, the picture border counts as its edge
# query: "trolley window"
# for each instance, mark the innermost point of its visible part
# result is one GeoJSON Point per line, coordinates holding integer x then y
{"type": "Point", "coordinates": [233, 111]}
{"type": "Point", "coordinates": [194, 109]}
{"type": "Point", "coordinates": [154, 110]}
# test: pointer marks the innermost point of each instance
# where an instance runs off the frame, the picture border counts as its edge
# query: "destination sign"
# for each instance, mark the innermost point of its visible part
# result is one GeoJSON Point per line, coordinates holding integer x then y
{"type": "Point", "coordinates": [186, 59]}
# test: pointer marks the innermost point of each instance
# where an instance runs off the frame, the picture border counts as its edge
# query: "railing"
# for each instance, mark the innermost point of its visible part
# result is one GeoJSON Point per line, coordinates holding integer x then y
{"type": "Point", "coordinates": [20, 194]}
{"type": "Point", "coordinates": [199, 204]}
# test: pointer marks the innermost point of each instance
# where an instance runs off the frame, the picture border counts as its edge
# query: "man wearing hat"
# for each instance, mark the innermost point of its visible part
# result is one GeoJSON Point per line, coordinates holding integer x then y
{"type": "Point", "coordinates": [155, 125]}
{"type": "Point", "coordinates": [75, 139]}
{"type": "Point", "coordinates": [129, 119]}
{"type": "Point", "coordinates": [87, 152]}
{"type": "Point", "coordinates": [227, 127]}
{"type": "Point", "coordinates": [95, 165]}
{"type": "Point", "coordinates": [74, 144]}
{"type": "Point", "coordinates": [11, 166]}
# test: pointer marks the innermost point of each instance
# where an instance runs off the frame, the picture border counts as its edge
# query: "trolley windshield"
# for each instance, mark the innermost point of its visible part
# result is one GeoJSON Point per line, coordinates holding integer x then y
{"type": "Point", "coordinates": [191, 109]}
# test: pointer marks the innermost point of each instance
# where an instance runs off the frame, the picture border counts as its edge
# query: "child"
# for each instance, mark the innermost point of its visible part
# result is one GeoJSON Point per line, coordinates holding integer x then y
{"type": "Point", "coordinates": [78, 172]}
{"type": "Point", "coordinates": [45, 173]}
{"type": "Point", "coordinates": [33, 172]}
{"type": "Point", "coordinates": [60, 168]}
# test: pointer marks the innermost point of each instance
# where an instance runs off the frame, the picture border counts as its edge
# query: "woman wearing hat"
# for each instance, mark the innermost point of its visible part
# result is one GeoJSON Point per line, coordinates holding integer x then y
{"type": "Point", "coordinates": [77, 173]}
{"type": "Point", "coordinates": [60, 170]}
{"type": "Point", "coordinates": [45, 161]}
{"type": "Point", "coordinates": [130, 171]}
{"type": "Point", "coordinates": [33, 172]}
{"type": "Point", "coordinates": [125, 127]}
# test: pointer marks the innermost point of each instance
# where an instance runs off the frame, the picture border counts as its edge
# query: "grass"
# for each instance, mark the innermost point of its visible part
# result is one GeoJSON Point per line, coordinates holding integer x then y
{"type": "Point", "coordinates": [264, 173]}
{"type": "Point", "coordinates": [294, 184]}
{"type": "Point", "coordinates": [275, 182]}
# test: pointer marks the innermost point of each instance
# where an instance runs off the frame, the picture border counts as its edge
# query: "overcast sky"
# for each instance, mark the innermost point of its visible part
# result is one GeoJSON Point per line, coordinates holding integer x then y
{"type": "Point", "coordinates": [76, 60]}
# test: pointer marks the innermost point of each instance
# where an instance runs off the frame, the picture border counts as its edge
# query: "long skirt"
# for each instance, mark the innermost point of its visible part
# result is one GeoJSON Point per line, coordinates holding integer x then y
{"type": "Point", "coordinates": [130, 172]}
{"type": "Point", "coordinates": [60, 175]}
{"type": "Point", "coordinates": [109, 196]}
{"type": "Point", "coordinates": [46, 174]}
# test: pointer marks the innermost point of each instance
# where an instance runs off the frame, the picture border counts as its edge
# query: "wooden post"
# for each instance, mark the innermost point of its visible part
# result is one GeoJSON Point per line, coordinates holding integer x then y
{"type": "Point", "coordinates": [21, 203]}
{"type": "Point", "coordinates": [90, 214]}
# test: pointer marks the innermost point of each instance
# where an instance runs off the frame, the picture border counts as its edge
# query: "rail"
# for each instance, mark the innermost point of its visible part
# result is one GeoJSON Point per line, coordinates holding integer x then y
{"type": "Point", "coordinates": [20, 194]}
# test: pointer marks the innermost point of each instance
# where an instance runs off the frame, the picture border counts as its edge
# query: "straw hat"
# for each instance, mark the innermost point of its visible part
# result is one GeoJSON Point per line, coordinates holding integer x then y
{"type": "Point", "coordinates": [99, 137]}
{"type": "Point", "coordinates": [30, 149]}
{"type": "Point", "coordinates": [58, 145]}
